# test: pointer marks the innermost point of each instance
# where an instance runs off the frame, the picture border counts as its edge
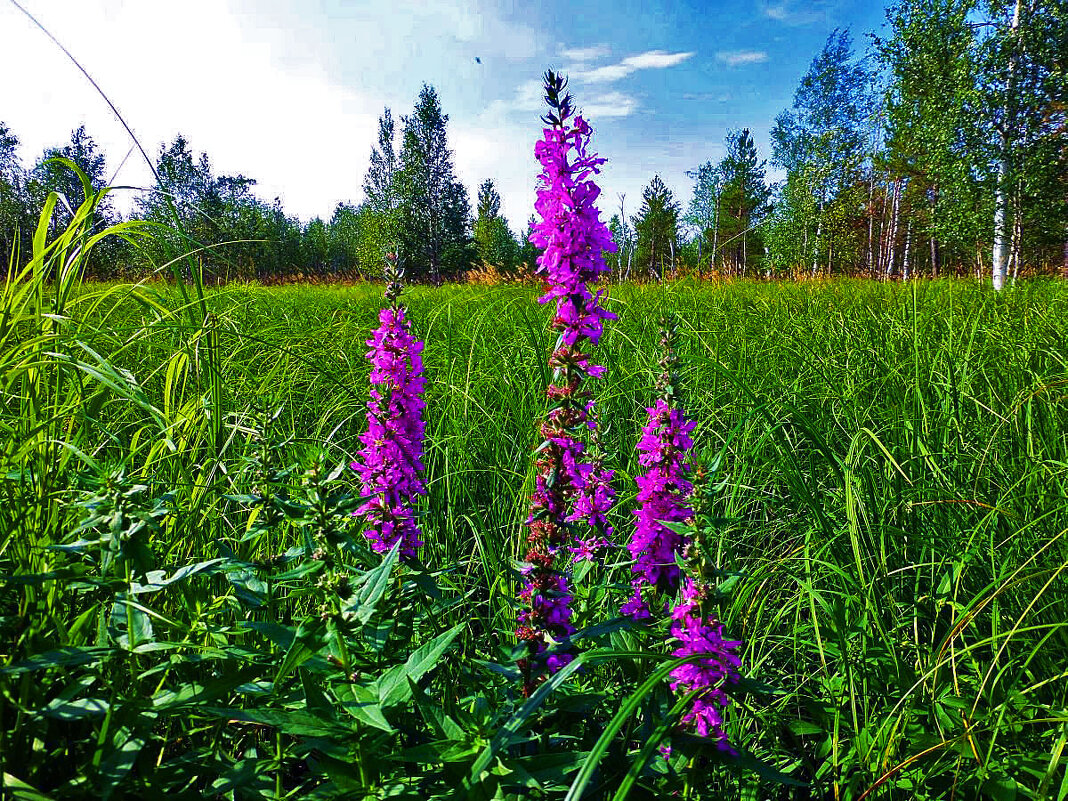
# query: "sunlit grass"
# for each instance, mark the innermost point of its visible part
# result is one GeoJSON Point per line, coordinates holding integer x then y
{"type": "Point", "coordinates": [893, 505]}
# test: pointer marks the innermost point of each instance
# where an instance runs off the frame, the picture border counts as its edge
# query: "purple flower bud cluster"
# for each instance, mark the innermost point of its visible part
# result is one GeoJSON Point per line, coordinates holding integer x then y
{"type": "Point", "coordinates": [663, 495]}
{"type": "Point", "coordinates": [594, 499]}
{"type": "Point", "coordinates": [701, 634]}
{"type": "Point", "coordinates": [390, 464]}
{"type": "Point", "coordinates": [569, 486]}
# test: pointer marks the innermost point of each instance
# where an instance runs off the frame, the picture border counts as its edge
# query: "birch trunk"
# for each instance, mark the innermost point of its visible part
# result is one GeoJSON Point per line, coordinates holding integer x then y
{"type": "Point", "coordinates": [905, 256]}
{"type": "Point", "coordinates": [871, 225]}
{"type": "Point", "coordinates": [816, 244]}
{"type": "Point", "coordinates": [892, 240]}
{"type": "Point", "coordinates": [1017, 234]}
{"type": "Point", "coordinates": [934, 242]}
{"type": "Point", "coordinates": [999, 258]}
{"type": "Point", "coordinates": [715, 237]}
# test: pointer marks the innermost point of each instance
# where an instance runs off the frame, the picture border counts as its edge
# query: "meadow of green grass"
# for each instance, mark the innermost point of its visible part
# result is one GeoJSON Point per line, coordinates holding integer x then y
{"type": "Point", "coordinates": [888, 507]}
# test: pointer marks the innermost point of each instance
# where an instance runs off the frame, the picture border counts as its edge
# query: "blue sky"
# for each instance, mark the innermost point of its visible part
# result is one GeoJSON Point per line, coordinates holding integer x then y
{"type": "Point", "coordinates": [289, 92]}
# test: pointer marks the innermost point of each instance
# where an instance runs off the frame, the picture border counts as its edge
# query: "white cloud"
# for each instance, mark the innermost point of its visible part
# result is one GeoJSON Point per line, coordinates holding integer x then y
{"type": "Point", "coordinates": [300, 134]}
{"type": "Point", "coordinates": [275, 90]}
{"type": "Point", "coordinates": [708, 97]}
{"type": "Point", "coordinates": [652, 59]}
{"type": "Point", "coordinates": [610, 104]}
{"type": "Point", "coordinates": [528, 97]}
{"type": "Point", "coordinates": [655, 59]}
{"type": "Point", "coordinates": [474, 23]}
{"type": "Point", "coordinates": [584, 54]}
{"type": "Point", "coordinates": [737, 58]}
{"type": "Point", "coordinates": [792, 12]}
{"type": "Point", "coordinates": [503, 152]}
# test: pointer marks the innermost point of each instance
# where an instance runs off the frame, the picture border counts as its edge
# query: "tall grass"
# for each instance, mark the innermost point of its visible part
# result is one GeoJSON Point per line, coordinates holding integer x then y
{"type": "Point", "coordinates": [889, 507]}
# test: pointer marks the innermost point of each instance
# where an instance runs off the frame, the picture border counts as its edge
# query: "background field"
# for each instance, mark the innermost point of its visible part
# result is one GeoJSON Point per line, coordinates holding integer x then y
{"type": "Point", "coordinates": [894, 495]}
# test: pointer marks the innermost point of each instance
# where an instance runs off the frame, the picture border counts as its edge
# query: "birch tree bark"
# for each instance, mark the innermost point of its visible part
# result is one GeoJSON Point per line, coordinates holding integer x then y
{"type": "Point", "coordinates": [999, 257]}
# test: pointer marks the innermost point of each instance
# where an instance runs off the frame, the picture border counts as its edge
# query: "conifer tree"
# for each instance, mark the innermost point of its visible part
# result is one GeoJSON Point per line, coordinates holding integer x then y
{"type": "Point", "coordinates": [656, 228]}
{"type": "Point", "coordinates": [744, 199]}
{"type": "Point", "coordinates": [493, 239]}
{"type": "Point", "coordinates": [433, 209]}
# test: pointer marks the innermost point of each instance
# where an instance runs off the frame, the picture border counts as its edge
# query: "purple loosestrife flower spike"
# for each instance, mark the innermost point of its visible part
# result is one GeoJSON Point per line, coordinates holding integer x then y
{"type": "Point", "coordinates": [568, 486]}
{"type": "Point", "coordinates": [664, 490]}
{"type": "Point", "coordinates": [665, 493]}
{"type": "Point", "coordinates": [390, 464]}
{"type": "Point", "coordinates": [701, 634]}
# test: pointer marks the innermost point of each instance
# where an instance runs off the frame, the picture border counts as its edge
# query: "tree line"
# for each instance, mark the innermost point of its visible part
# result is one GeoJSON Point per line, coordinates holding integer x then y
{"type": "Point", "coordinates": [942, 148]}
{"type": "Point", "coordinates": [413, 205]}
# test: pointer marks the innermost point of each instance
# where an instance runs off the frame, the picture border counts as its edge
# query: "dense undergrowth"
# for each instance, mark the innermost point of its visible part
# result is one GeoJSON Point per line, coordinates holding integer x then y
{"type": "Point", "coordinates": [187, 606]}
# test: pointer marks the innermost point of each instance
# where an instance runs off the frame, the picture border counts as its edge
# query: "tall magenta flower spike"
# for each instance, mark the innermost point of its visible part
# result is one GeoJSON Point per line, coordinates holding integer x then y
{"type": "Point", "coordinates": [700, 634]}
{"type": "Point", "coordinates": [664, 491]}
{"type": "Point", "coordinates": [568, 486]}
{"type": "Point", "coordinates": [665, 495]}
{"type": "Point", "coordinates": [390, 464]}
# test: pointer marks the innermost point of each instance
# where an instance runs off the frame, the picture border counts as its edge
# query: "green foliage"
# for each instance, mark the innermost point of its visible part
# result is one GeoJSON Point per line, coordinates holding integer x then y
{"type": "Point", "coordinates": [53, 173]}
{"type": "Point", "coordinates": [824, 143]}
{"type": "Point", "coordinates": [187, 606]}
{"type": "Point", "coordinates": [433, 209]}
{"type": "Point", "coordinates": [703, 212]}
{"type": "Point", "coordinates": [493, 239]}
{"type": "Point", "coordinates": [742, 203]}
{"type": "Point", "coordinates": [13, 202]}
{"type": "Point", "coordinates": [343, 238]}
{"type": "Point", "coordinates": [656, 229]}
{"type": "Point", "coordinates": [934, 125]}
{"type": "Point", "coordinates": [1022, 86]}
{"type": "Point", "coordinates": [232, 233]}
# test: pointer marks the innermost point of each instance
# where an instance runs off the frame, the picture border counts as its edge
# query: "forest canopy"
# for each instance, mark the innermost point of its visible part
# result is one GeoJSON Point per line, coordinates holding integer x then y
{"type": "Point", "coordinates": [940, 147]}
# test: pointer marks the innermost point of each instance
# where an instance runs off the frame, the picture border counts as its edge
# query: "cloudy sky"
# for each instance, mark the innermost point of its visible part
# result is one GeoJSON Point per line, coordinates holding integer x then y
{"type": "Point", "coordinates": [289, 91]}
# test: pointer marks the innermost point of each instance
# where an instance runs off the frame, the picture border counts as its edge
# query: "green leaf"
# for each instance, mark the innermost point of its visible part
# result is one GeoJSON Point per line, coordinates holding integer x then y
{"type": "Point", "coordinates": [157, 579]}
{"type": "Point", "coordinates": [76, 709]}
{"type": "Point", "coordinates": [309, 639]}
{"type": "Point", "coordinates": [315, 701]}
{"type": "Point", "coordinates": [249, 587]}
{"type": "Point", "coordinates": [195, 694]}
{"type": "Point", "coordinates": [393, 687]}
{"type": "Point", "coordinates": [122, 759]}
{"type": "Point", "coordinates": [440, 723]}
{"type": "Point", "coordinates": [60, 657]}
{"type": "Point", "coordinates": [296, 722]}
{"type": "Point", "coordinates": [1001, 788]}
{"type": "Point", "coordinates": [374, 585]}
{"type": "Point", "coordinates": [20, 790]}
{"type": "Point", "coordinates": [362, 704]}
{"type": "Point", "coordinates": [510, 730]}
